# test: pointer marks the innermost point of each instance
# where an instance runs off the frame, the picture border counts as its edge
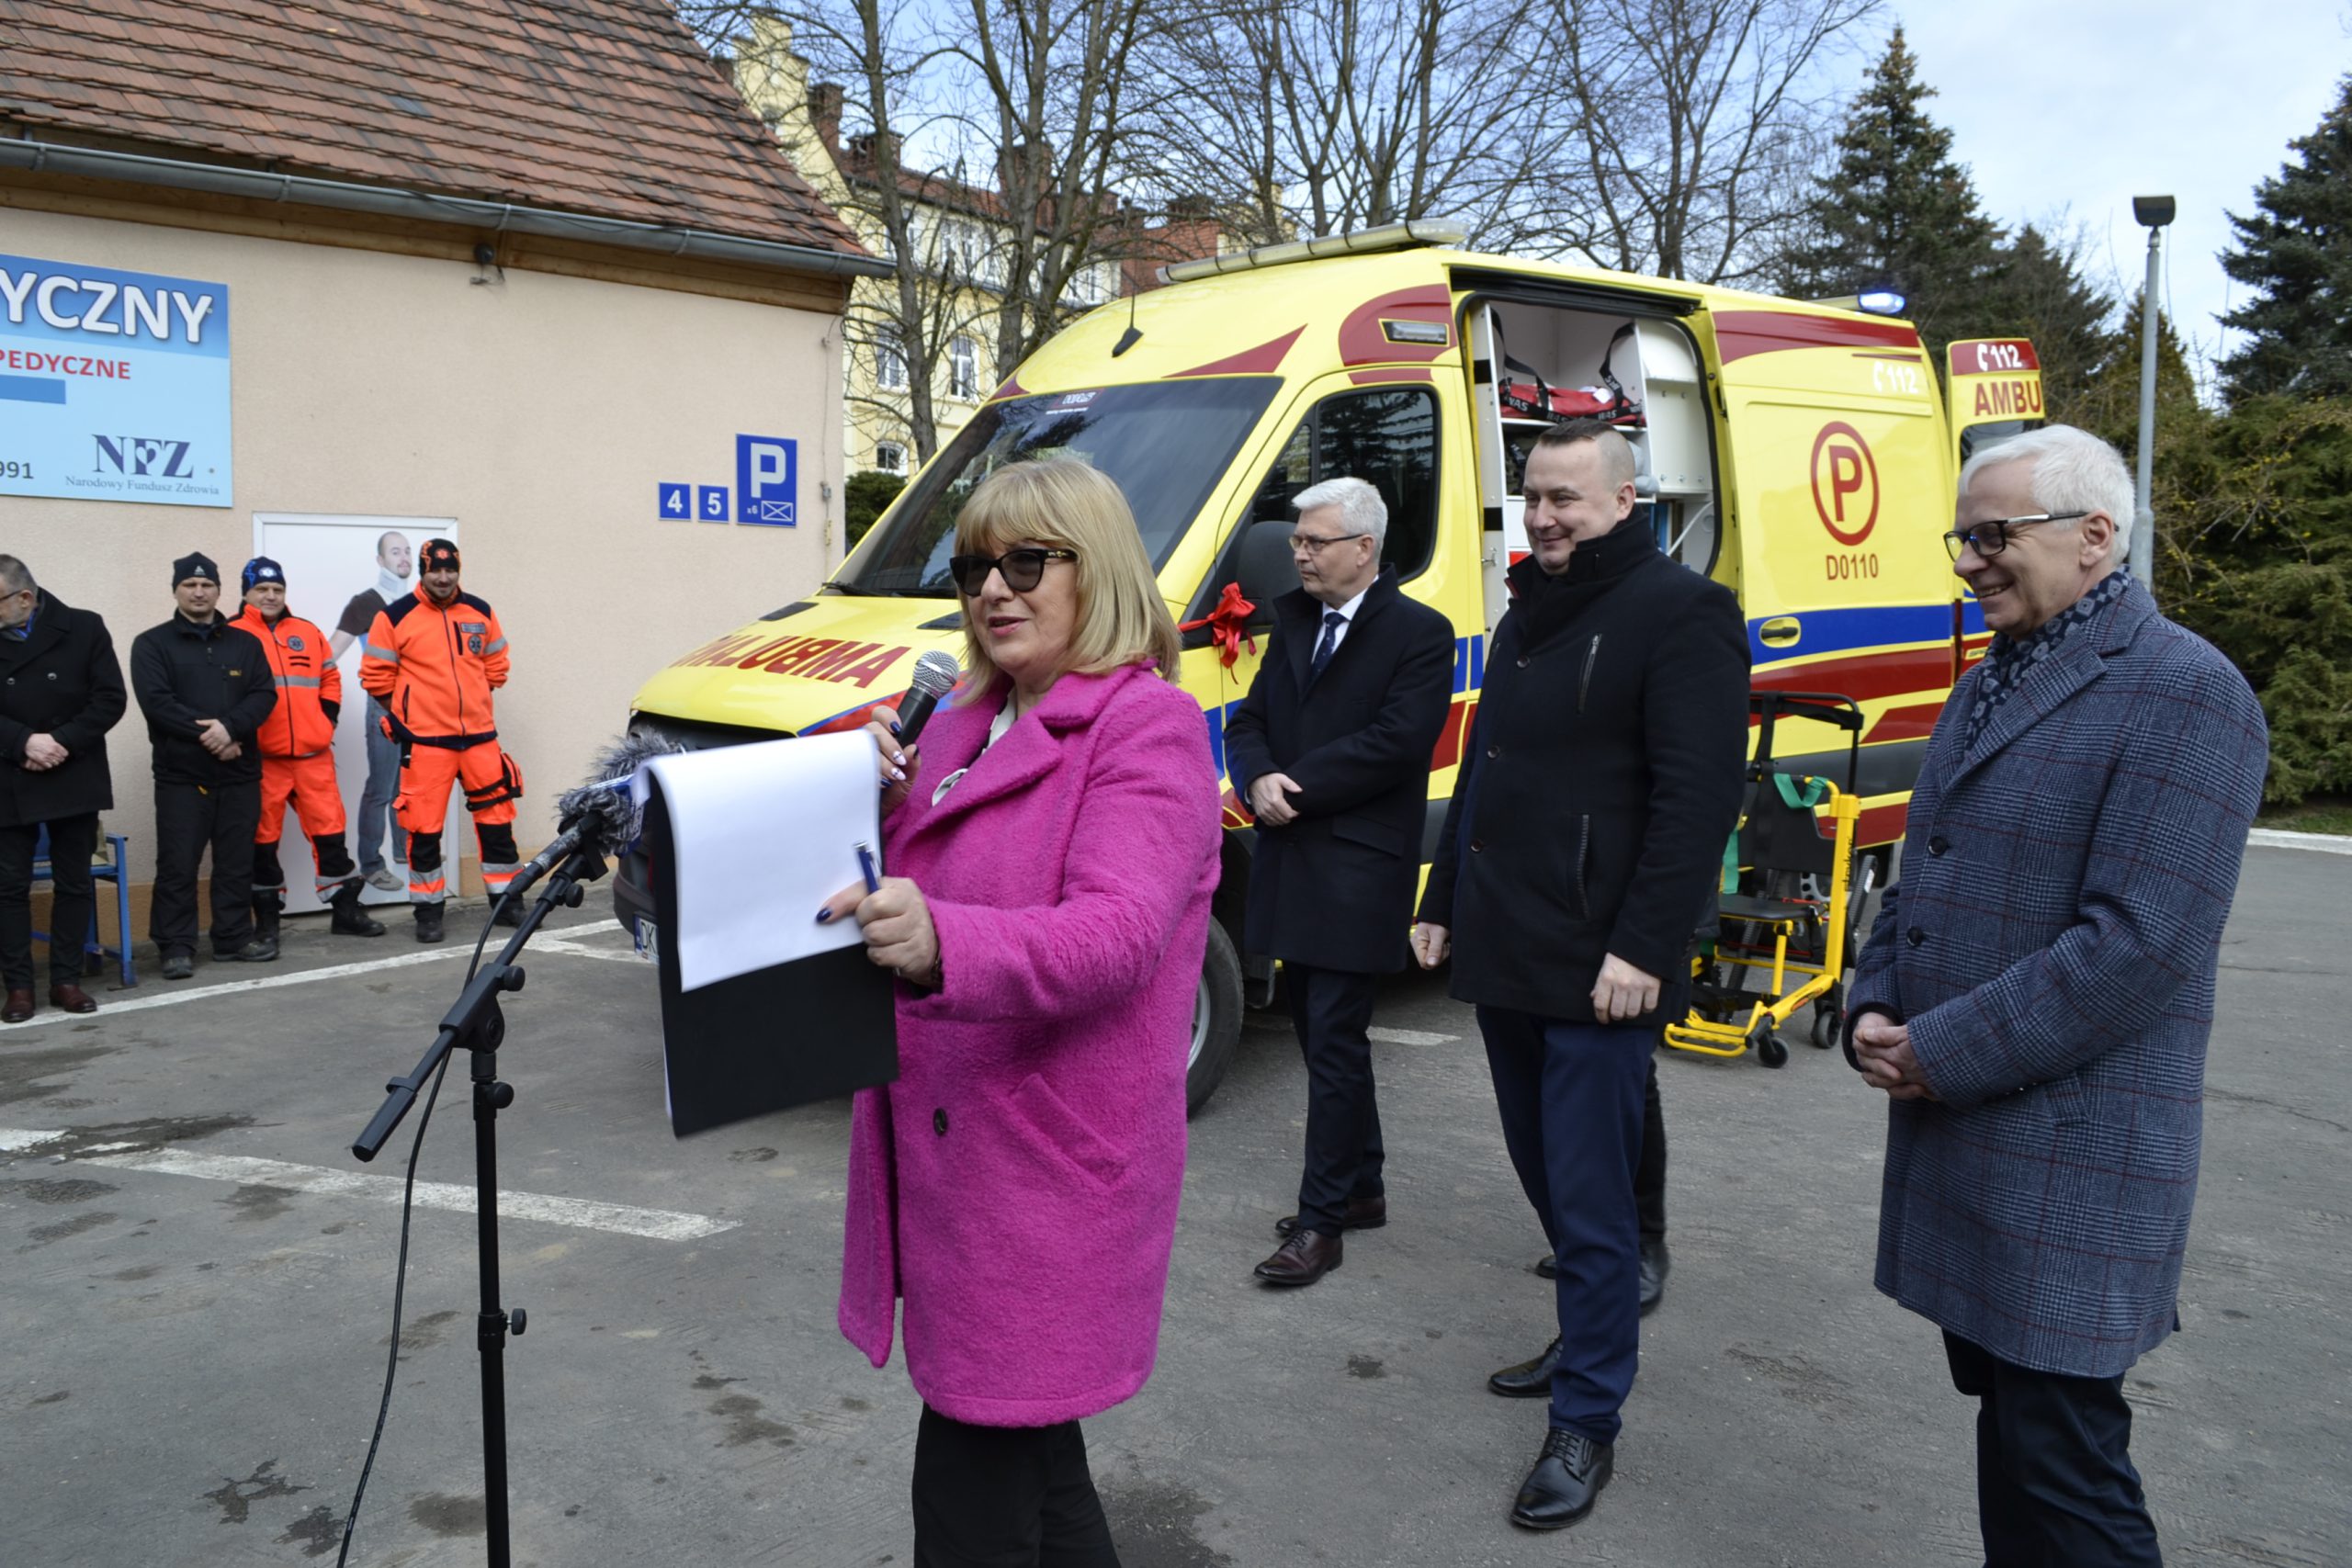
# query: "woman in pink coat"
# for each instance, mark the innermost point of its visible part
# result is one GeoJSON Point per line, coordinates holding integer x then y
{"type": "Point", "coordinates": [1053, 850]}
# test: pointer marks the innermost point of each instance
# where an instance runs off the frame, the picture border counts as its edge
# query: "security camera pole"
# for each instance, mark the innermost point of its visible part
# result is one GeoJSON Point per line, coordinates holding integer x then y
{"type": "Point", "coordinates": [2154, 212]}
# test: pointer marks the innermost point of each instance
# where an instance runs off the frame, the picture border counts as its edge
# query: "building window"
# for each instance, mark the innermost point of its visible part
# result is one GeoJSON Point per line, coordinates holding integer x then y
{"type": "Point", "coordinates": [890, 458]}
{"type": "Point", "coordinates": [962, 368]}
{"type": "Point", "coordinates": [890, 361]}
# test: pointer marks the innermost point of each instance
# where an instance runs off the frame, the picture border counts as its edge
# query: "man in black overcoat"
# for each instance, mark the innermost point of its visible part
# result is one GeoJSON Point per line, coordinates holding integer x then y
{"type": "Point", "coordinates": [1331, 750]}
{"type": "Point", "coordinates": [61, 691]}
{"type": "Point", "coordinates": [1599, 780]}
{"type": "Point", "coordinates": [204, 687]}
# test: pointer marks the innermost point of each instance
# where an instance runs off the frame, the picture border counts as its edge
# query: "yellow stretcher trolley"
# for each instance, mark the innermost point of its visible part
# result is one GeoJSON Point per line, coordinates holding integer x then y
{"type": "Point", "coordinates": [1787, 910]}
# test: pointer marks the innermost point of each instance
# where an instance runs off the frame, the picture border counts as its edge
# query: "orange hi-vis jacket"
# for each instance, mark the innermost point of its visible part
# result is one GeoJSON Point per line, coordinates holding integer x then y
{"type": "Point", "coordinates": [310, 687]}
{"type": "Point", "coordinates": [434, 667]}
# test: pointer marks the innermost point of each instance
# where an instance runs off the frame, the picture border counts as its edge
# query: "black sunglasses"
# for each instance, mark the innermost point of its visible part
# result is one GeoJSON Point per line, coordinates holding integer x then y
{"type": "Point", "coordinates": [1992, 538]}
{"type": "Point", "coordinates": [1024, 568]}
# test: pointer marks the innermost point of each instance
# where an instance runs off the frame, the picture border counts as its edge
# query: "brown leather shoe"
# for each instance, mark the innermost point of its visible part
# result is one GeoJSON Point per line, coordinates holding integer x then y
{"type": "Point", "coordinates": [1305, 1258]}
{"type": "Point", "coordinates": [19, 1008]}
{"type": "Point", "coordinates": [72, 999]}
{"type": "Point", "coordinates": [1361, 1214]}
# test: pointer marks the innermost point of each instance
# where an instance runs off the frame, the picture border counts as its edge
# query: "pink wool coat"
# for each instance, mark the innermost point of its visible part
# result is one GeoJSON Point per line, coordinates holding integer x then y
{"type": "Point", "coordinates": [1018, 1185]}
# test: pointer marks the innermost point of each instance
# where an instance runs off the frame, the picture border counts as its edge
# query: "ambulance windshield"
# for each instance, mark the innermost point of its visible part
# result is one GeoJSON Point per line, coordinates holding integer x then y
{"type": "Point", "coordinates": [1166, 442]}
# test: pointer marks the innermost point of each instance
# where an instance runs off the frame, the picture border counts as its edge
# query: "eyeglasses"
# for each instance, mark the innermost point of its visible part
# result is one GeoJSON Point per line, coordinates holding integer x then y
{"type": "Point", "coordinates": [1990, 539]}
{"type": "Point", "coordinates": [1316, 547]}
{"type": "Point", "coordinates": [1024, 568]}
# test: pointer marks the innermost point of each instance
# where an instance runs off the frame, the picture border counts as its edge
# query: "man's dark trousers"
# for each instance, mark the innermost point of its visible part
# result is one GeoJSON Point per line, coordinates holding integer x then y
{"type": "Point", "coordinates": [71, 842]}
{"type": "Point", "coordinates": [1570, 1096]}
{"type": "Point", "coordinates": [188, 818]}
{"type": "Point", "coordinates": [2055, 1486]}
{"type": "Point", "coordinates": [1331, 1010]}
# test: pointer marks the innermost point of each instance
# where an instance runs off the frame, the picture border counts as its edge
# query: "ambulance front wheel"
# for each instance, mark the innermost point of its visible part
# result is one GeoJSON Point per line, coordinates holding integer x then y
{"type": "Point", "coordinates": [1216, 1020]}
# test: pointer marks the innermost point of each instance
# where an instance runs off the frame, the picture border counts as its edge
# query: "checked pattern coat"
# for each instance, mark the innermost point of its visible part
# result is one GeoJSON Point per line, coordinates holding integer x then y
{"type": "Point", "coordinates": [2052, 946]}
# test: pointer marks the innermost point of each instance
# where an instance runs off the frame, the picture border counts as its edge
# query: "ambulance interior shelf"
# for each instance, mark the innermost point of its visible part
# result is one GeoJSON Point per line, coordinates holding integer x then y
{"type": "Point", "coordinates": [1543, 364]}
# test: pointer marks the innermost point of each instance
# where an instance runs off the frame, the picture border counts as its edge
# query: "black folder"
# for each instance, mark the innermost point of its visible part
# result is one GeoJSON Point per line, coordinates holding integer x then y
{"type": "Point", "coordinates": [793, 1034]}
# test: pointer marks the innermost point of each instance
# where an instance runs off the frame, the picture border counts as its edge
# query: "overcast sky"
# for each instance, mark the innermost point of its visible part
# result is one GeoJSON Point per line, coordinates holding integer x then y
{"type": "Point", "coordinates": [2065, 109]}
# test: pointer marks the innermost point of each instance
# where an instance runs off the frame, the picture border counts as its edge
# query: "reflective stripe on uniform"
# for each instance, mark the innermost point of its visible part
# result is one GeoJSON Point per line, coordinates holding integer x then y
{"type": "Point", "coordinates": [297, 680]}
{"type": "Point", "coordinates": [329, 886]}
{"type": "Point", "coordinates": [498, 647]}
{"type": "Point", "coordinates": [427, 891]}
{"type": "Point", "coordinates": [386, 654]}
{"type": "Point", "coordinates": [496, 877]}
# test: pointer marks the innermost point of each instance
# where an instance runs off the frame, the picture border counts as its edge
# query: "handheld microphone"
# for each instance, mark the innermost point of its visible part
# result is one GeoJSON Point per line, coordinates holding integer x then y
{"type": "Point", "coordinates": [602, 814]}
{"type": "Point", "coordinates": [935, 675]}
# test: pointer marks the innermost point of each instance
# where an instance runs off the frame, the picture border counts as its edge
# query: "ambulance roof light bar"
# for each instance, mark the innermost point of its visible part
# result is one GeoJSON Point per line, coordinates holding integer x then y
{"type": "Point", "coordinates": [1869, 302]}
{"type": "Point", "coordinates": [1405, 236]}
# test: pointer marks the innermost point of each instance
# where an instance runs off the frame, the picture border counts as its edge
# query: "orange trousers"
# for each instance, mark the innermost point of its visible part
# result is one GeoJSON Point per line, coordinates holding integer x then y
{"type": "Point", "coordinates": [309, 783]}
{"type": "Point", "coordinates": [422, 808]}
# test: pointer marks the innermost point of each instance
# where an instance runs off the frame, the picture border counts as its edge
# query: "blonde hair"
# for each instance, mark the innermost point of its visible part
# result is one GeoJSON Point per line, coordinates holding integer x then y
{"type": "Point", "coordinates": [1063, 503]}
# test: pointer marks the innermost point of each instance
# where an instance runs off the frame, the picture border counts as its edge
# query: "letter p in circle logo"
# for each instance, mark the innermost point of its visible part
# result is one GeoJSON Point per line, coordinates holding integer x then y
{"type": "Point", "coordinates": [1845, 483]}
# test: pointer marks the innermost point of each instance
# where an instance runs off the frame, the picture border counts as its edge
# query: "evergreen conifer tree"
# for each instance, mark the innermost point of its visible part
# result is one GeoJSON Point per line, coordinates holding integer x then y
{"type": "Point", "coordinates": [2296, 253]}
{"type": "Point", "coordinates": [1897, 211]}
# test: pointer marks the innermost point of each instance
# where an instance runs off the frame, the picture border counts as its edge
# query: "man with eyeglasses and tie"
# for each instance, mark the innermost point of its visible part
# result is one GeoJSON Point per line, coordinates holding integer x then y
{"type": "Point", "coordinates": [2036, 993]}
{"type": "Point", "coordinates": [1331, 752]}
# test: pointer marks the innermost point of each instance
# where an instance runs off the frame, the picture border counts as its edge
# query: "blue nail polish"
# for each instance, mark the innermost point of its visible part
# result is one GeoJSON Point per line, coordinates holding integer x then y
{"type": "Point", "coordinates": [894, 729]}
{"type": "Point", "coordinates": [823, 915]}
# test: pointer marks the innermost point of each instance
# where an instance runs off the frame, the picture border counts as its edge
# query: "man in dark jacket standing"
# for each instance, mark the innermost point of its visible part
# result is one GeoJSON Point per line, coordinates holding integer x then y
{"type": "Point", "coordinates": [1332, 749]}
{"type": "Point", "coordinates": [61, 691]}
{"type": "Point", "coordinates": [204, 687]}
{"type": "Point", "coordinates": [1601, 779]}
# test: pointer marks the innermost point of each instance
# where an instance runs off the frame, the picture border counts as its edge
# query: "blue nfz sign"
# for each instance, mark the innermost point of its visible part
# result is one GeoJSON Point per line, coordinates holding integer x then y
{"type": "Point", "coordinates": [767, 481]}
{"type": "Point", "coordinates": [114, 385]}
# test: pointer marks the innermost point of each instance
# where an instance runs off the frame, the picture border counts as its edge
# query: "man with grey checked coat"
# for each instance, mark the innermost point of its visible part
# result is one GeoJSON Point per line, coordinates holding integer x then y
{"type": "Point", "coordinates": [2036, 994]}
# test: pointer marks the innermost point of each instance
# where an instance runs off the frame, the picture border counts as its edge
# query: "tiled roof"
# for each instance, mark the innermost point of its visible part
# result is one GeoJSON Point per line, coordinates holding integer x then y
{"type": "Point", "coordinates": [599, 107]}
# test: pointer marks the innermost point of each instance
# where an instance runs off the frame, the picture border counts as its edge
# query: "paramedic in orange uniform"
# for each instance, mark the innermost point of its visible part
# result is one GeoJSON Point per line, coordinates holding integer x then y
{"type": "Point", "coordinates": [433, 658]}
{"type": "Point", "coordinates": [296, 746]}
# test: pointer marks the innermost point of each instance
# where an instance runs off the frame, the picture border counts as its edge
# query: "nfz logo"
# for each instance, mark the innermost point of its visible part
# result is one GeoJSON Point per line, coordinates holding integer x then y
{"type": "Point", "coordinates": [143, 455]}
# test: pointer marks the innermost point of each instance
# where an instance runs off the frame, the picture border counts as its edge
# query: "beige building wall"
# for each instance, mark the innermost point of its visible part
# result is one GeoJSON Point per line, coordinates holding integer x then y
{"type": "Point", "coordinates": [541, 411]}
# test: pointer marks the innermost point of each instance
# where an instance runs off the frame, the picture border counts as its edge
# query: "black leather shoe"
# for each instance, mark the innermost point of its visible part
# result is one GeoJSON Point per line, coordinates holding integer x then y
{"type": "Point", "coordinates": [1529, 1380]}
{"type": "Point", "coordinates": [1565, 1484]}
{"type": "Point", "coordinates": [70, 998]}
{"type": "Point", "coordinates": [1305, 1258]}
{"type": "Point", "coordinates": [1361, 1214]}
{"type": "Point", "coordinates": [178, 965]}
{"type": "Point", "coordinates": [1655, 1264]}
{"type": "Point", "coordinates": [20, 1005]}
{"type": "Point", "coordinates": [1548, 1265]}
{"type": "Point", "coordinates": [260, 950]}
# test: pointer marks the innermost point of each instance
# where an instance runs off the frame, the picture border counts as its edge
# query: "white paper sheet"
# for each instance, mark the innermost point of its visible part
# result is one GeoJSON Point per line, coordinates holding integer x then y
{"type": "Point", "coordinates": [764, 834]}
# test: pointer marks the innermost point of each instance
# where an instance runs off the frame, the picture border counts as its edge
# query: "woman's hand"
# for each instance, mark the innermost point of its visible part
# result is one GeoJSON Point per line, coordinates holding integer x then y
{"type": "Point", "coordinates": [896, 761]}
{"type": "Point", "coordinates": [896, 921]}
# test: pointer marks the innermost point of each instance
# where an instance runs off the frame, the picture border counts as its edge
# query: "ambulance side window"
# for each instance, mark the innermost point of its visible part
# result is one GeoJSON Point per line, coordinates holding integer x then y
{"type": "Point", "coordinates": [1387, 436]}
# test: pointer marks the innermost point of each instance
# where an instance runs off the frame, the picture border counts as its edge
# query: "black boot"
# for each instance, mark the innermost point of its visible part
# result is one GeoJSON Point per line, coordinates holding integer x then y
{"type": "Point", "coordinates": [428, 922]}
{"type": "Point", "coordinates": [269, 907]}
{"type": "Point", "coordinates": [350, 920]}
{"type": "Point", "coordinates": [510, 911]}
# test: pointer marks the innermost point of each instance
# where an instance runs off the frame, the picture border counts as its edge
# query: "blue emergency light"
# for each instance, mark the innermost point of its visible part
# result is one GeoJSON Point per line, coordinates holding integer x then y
{"type": "Point", "coordinates": [1880, 302]}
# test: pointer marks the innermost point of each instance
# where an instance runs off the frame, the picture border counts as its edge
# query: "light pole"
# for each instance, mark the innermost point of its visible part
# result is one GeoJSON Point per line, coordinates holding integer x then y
{"type": "Point", "coordinates": [2154, 212]}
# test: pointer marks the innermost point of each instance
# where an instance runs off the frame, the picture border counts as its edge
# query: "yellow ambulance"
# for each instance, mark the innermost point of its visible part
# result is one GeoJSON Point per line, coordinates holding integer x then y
{"type": "Point", "coordinates": [1799, 453]}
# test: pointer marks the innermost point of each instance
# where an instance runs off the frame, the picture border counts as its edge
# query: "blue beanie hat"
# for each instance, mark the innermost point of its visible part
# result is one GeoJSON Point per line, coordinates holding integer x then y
{"type": "Point", "coordinates": [261, 569]}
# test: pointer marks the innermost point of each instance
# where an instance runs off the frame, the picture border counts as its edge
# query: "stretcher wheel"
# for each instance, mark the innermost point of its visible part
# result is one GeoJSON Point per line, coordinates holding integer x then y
{"type": "Point", "coordinates": [1770, 1049]}
{"type": "Point", "coordinates": [1827, 1021]}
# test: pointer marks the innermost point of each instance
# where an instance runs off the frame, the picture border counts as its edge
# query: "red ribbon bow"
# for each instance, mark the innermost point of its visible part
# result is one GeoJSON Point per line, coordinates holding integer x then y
{"type": "Point", "coordinates": [1229, 625]}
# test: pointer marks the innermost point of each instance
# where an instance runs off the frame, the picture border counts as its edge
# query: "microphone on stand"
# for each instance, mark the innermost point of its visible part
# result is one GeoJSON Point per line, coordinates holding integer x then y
{"type": "Point", "coordinates": [935, 675]}
{"type": "Point", "coordinates": [602, 814]}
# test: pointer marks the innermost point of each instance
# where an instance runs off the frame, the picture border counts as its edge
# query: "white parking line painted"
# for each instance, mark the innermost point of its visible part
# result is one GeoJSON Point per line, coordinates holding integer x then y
{"type": "Point", "coordinates": [1409, 1037]}
{"type": "Point", "coordinates": [175, 997]}
{"type": "Point", "coordinates": [656, 1224]}
{"type": "Point", "coordinates": [2280, 839]}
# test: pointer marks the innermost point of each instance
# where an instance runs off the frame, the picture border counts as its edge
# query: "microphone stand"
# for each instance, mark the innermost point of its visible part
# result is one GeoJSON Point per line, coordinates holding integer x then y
{"type": "Point", "coordinates": [477, 1024]}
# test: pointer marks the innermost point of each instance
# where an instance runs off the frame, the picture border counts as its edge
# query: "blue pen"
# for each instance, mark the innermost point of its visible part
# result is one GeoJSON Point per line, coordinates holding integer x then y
{"type": "Point", "coordinates": [865, 865]}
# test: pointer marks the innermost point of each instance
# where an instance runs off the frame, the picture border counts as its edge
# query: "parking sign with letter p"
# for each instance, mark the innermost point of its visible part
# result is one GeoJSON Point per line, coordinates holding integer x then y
{"type": "Point", "coordinates": [767, 481]}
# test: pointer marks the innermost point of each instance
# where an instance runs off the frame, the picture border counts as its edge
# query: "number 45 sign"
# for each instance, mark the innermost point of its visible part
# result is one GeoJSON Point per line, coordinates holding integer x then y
{"type": "Point", "coordinates": [767, 481]}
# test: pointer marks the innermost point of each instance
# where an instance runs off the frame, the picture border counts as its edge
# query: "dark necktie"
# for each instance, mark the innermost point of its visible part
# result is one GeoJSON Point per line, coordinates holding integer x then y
{"type": "Point", "coordinates": [1333, 622]}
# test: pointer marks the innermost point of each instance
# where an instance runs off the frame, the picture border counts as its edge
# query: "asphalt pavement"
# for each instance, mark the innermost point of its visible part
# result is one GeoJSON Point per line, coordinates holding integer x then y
{"type": "Point", "coordinates": [194, 1323]}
